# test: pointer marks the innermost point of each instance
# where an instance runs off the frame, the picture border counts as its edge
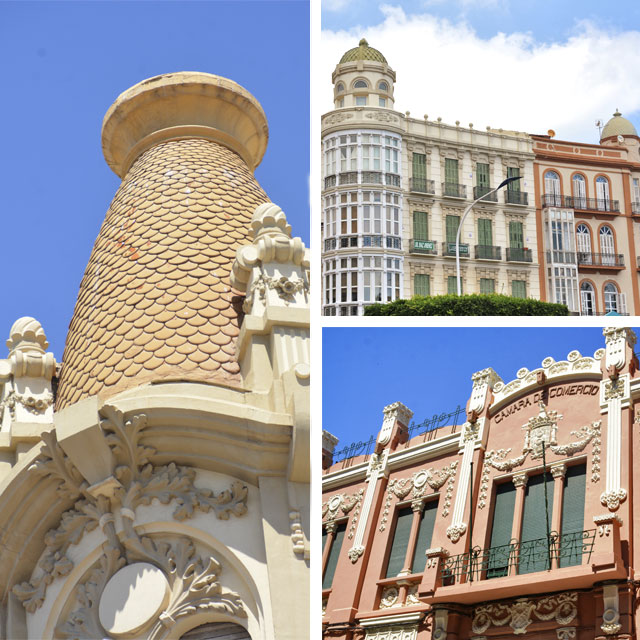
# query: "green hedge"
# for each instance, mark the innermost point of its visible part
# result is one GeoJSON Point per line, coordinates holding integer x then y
{"type": "Point", "coordinates": [470, 305]}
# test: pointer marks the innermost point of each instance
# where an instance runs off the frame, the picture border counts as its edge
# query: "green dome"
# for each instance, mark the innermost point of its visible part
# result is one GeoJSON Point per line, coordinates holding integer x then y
{"type": "Point", "coordinates": [618, 126]}
{"type": "Point", "coordinates": [363, 52]}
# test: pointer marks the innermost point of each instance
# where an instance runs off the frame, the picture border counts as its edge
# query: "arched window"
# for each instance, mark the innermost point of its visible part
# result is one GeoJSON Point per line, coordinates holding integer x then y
{"type": "Point", "coordinates": [602, 194]}
{"type": "Point", "coordinates": [583, 237]}
{"type": "Point", "coordinates": [579, 192]}
{"type": "Point", "coordinates": [339, 87]}
{"type": "Point", "coordinates": [552, 195]}
{"type": "Point", "coordinates": [383, 86]}
{"type": "Point", "coordinates": [611, 298]}
{"type": "Point", "coordinates": [360, 84]}
{"type": "Point", "coordinates": [607, 246]}
{"type": "Point", "coordinates": [587, 299]}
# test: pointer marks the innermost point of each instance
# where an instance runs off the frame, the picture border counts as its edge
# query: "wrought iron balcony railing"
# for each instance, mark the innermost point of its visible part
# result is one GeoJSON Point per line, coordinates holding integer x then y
{"type": "Point", "coordinates": [518, 254]}
{"type": "Point", "coordinates": [561, 257]}
{"type": "Point", "coordinates": [600, 259]}
{"type": "Point", "coordinates": [449, 249]}
{"type": "Point", "coordinates": [429, 247]}
{"type": "Point", "coordinates": [580, 203]}
{"type": "Point", "coordinates": [350, 177]}
{"type": "Point", "coordinates": [481, 191]}
{"type": "Point", "coordinates": [516, 197]}
{"type": "Point", "coordinates": [516, 558]}
{"type": "Point", "coordinates": [487, 252]}
{"type": "Point", "coordinates": [454, 190]}
{"type": "Point", "coordinates": [422, 185]}
{"type": "Point", "coordinates": [329, 181]}
{"type": "Point", "coordinates": [372, 177]}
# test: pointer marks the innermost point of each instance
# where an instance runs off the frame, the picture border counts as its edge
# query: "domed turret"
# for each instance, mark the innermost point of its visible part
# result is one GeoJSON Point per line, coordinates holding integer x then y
{"type": "Point", "coordinates": [618, 126]}
{"type": "Point", "coordinates": [363, 78]}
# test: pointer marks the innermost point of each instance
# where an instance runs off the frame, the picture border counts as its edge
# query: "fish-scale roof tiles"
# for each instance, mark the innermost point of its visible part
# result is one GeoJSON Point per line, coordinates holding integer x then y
{"type": "Point", "coordinates": [155, 301]}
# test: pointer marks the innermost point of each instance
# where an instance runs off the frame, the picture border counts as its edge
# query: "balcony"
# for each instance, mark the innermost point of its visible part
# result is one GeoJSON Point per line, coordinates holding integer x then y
{"type": "Point", "coordinates": [372, 241]}
{"type": "Point", "coordinates": [516, 197]}
{"type": "Point", "coordinates": [635, 208]}
{"type": "Point", "coordinates": [478, 192]}
{"type": "Point", "coordinates": [454, 190]}
{"type": "Point", "coordinates": [519, 558]}
{"type": "Point", "coordinates": [422, 185]}
{"type": "Point", "coordinates": [392, 179]}
{"type": "Point", "coordinates": [372, 177]}
{"type": "Point", "coordinates": [449, 249]}
{"type": "Point", "coordinates": [348, 241]}
{"type": "Point", "coordinates": [561, 257]}
{"type": "Point", "coordinates": [350, 177]}
{"type": "Point", "coordinates": [579, 203]}
{"type": "Point", "coordinates": [427, 247]}
{"type": "Point", "coordinates": [330, 181]}
{"type": "Point", "coordinates": [487, 252]}
{"type": "Point", "coordinates": [330, 244]}
{"type": "Point", "coordinates": [515, 254]}
{"type": "Point", "coordinates": [615, 261]}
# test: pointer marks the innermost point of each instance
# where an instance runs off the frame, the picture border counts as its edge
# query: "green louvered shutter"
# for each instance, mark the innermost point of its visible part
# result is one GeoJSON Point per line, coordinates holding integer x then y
{"type": "Point", "coordinates": [516, 237]}
{"type": "Point", "coordinates": [400, 542]}
{"type": "Point", "coordinates": [485, 237]}
{"type": "Point", "coordinates": [513, 172]}
{"type": "Point", "coordinates": [501, 530]}
{"type": "Point", "coordinates": [519, 288]}
{"type": "Point", "coordinates": [452, 285]}
{"type": "Point", "coordinates": [533, 556]}
{"type": "Point", "coordinates": [420, 225]}
{"type": "Point", "coordinates": [427, 521]}
{"type": "Point", "coordinates": [450, 171]}
{"type": "Point", "coordinates": [334, 554]}
{"type": "Point", "coordinates": [482, 174]}
{"type": "Point", "coordinates": [451, 227]}
{"type": "Point", "coordinates": [573, 515]}
{"type": "Point", "coordinates": [421, 285]}
{"type": "Point", "coordinates": [420, 171]}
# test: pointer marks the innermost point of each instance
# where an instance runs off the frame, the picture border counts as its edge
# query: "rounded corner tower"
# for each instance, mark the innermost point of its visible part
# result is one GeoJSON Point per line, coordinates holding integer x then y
{"type": "Point", "coordinates": [156, 302]}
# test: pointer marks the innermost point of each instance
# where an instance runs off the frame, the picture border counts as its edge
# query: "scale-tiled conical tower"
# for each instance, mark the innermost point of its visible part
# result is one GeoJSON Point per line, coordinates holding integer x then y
{"type": "Point", "coordinates": [155, 302]}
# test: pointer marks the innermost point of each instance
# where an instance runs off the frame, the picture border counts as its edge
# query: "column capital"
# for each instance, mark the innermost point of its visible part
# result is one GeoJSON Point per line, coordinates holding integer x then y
{"type": "Point", "coordinates": [520, 479]}
{"type": "Point", "coordinates": [558, 470]}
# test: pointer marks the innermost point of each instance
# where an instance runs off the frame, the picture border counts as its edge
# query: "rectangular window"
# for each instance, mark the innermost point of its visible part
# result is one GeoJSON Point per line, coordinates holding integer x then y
{"type": "Point", "coordinates": [382, 102]}
{"type": "Point", "coordinates": [533, 542]}
{"type": "Point", "coordinates": [513, 172]}
{"type": "Point", "coordinates": [485, 236]}
{"type": "Point", "coordinates": [482, 174]}
{"type": "Point", "coordinates": [334, 553]}
{"type": "Point", "coordinates": [361, 101]}
{"type": "Point", "coordinates": [421, 285]}
{"type": "Point", "coordinates": [425, 533]}
{"type": "Point", "coordinates": [419, 170]}
{"type": "Point", "coordinates": [451, 171]}
{"type": "Point", "coordinates": [516, 235]}
{"type": "Point", "coordinates": [519, 288]}
{"type": "Point", "coordinates": [400, 542]}
{"type": "Point", "coordinates": [451, 227]}
{"type": "Point", "coordinates": [500, 550]}
{"type": "Point", "coordinates": [487, 285]}
{"type": "Point", "coordinates": [420, 225]}
{"type": "Point", "coordinates": [573, 515]}
{"type": "Point", "coordinates": [452, 285]}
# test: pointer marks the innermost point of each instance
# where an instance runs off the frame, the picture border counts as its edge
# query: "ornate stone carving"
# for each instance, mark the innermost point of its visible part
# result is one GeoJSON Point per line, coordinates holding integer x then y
{"type": "Point", "coordinates": [520, 479]}
{"type": "Point", "coordinates": [417, 486]}
{"type": "Point", "coordinates": [389, 598]}
{"type": "Point", "coordinates": [355, 552]}
{"type": "Point", "coordinates": [455, 531]}
{"type": "Point", "coordinates": [137, 482]}
{"type": "Point", "coordinates": [33, 404]}
{"type": "Point", "coordinates": [337, 118]}
{"type": "Point", "coordinates": [396, 411]}
{"type": "Point", "coordinates": [611, 615]}
{"type": "Point", "coordinates": [471, 431]}
{"type": "Point", "coordinates": [394, 632]}
{"type": "Point", "coordinates": [613, 498]}
{"type": "Point", "coordinates": [518, 614]}
{"type": "Point", "coordinates": [541, 430]}
{"type": "Point", "coordinates": [297, 535]}
{"type": "Point", "coordinates": [380, 116]}
{"type": "Point", "coordinates": [412, 596]}
{"type": "Point", "coordinates": [566, 633]}
{"type": "Point", "coordinates": [613, 389]}
{"type": "Point", "coordinates": [558, 470]}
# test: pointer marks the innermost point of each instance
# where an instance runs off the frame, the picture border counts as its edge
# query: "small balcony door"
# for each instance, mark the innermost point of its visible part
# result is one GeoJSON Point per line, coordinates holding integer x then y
{"type": "Point", "coordinates": [587, 299]}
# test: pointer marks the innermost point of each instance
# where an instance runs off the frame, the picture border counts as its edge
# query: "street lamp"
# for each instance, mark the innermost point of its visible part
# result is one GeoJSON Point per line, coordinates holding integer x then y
{"type": "Point", "coordinates": [504, 183]}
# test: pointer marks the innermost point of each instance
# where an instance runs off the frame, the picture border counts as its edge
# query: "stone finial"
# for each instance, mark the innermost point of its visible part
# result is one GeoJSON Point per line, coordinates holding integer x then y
{"type": "Point", "coordinates": [27, 335]}
{"type": "Point", "coordinates": [329, 442]}
{"type": "Point", "coordinates": [399, 412]}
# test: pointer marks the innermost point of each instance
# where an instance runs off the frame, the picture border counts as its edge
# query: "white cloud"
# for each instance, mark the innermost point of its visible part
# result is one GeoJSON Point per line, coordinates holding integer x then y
{"type": "Point", "coordinates": [334, 5]}
{"type": "Point", "coordinates": [510, 81]}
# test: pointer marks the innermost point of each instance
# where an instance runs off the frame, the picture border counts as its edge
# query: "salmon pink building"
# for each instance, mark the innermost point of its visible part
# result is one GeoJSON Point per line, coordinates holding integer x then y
{"type": "Point", "coordinates": [518, 522]}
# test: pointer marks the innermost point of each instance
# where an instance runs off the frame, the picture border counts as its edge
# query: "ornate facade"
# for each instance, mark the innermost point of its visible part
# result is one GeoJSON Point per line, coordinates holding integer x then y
{"type": "Point", "coordinates": [520, 522]}
{"type": "Point", "coordinates": [155, 484]}
{"type": "Point", "coordinates": [394, 190]}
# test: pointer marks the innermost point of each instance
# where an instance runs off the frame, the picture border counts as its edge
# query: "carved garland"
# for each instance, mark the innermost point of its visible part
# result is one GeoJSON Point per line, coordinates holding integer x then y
{"type": "Point", "coordinates": [341, 502]}
{"type": "Point", "coordinates": [33, 404]}
{"type": "Point", "coordinates": [562, 607]}
{"type": "Point", "coordinates": [417, 486]}
{"type": "Point", "coordinates": [137, 482]}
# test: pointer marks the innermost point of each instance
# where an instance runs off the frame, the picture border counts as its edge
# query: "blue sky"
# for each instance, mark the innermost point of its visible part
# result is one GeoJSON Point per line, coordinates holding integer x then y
{"type": "Point", "coordinates": [63, 65]}
{"type": "Point", "coordinates": [525, 65]}
{"type": "Point", "coordinates": [427, 369]}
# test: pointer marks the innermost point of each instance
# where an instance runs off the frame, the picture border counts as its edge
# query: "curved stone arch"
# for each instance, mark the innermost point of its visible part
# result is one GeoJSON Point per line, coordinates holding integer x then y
{"type": "Point", "coordinates": [209, 631]}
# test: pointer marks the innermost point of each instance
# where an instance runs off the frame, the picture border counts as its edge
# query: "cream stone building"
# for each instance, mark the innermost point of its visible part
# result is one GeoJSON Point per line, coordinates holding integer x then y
{"type": "Point", "coordinates": [155, 484]}
{"type": "Point", "coordinates": [395, 188]}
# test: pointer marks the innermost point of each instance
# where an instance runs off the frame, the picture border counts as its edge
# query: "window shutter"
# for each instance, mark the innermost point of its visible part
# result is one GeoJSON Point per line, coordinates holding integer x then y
{"type": "Point", "coordinates": [501, 530]}
{"type": "Point", "coordinates": [334, 554]}
{"type": "Point", "coordinates": [450, 171]}
{"type": "Point", "coordinates": [400, 542]}
{"type": "Point", "coordinates": [485, 236]}
{"type": "Point", "coordinates": [452, 285]}
{"type": "Point", "coordinates": [420, 225]}
{"type": "Point", "coordinates": [482, 174]}
{"type": "Point", "coordinates": [452, 223]}
{"type": "Point", "coordinates": [421, 285]}
{"type": "Point", "coordinates": [487, 285]}
{"type": "Point", "coordinates": [513, 172]}
{"type": "Point", "coordinates": [573, 515]}
{"type": "Point", "coordinates": [516, 236]}
{"type": "Point", "coordinates": [419, 166]}
{"type": "Point", "coordinates": [533, 557]}
{"type": "Point", "coordinates": [519, 288]}
{"type": "Point", "coordinates": [623, 304]}
{"type": "Point", "coordinates": [427, 522]}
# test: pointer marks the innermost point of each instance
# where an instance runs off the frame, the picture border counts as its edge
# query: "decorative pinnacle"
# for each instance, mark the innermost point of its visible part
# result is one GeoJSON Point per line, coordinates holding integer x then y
{"type": "Point", "coordinates": [27, 334]}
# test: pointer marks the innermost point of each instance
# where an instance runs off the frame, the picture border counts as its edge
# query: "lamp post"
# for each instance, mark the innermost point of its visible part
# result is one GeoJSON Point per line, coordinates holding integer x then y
{"type": "Point", "coordinates": [504, 183]}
